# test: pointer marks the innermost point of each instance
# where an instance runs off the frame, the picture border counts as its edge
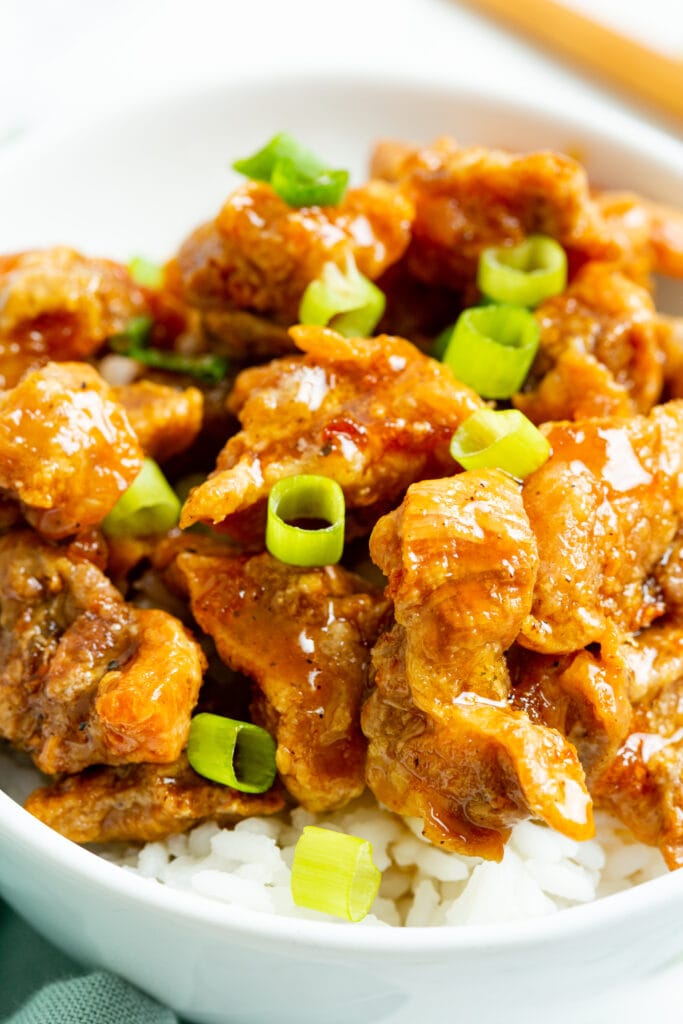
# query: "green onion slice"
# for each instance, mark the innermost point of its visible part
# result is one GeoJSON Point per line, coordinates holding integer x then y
{"type": "Point", "coordinates": [501, 439]}
{"type": "Point", "coordinates": [492, 348]}
{"type": "Point", "coordinates": [236, 754]}
{"type": "Point", "coordinates": [145, 273]}
{"type": "Point", "coordinates": [524, 274]}
{"type": "Point", "coordinates": [299, 189]}
{"type": "Point", "coordinates": [148, 506]}
{"type": "Point", "coordinates": [295, 173]}
{"type": "Point", "coordinates": [335, 873]}
{"type": "Point", "coordinates": [344, 300]}
{"type": "Point", "coordinates": [306, 497]}
{"type": "Point", "coordinates": [134, 343]}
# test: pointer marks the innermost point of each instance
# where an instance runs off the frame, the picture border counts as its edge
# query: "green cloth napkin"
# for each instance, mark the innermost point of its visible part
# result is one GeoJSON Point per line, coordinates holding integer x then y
{"type": "Point", "coordinates": [40, 985]}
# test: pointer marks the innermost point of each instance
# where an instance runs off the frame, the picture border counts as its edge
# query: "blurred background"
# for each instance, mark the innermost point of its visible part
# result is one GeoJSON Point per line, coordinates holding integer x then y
{"type": "Point", "coordinates": [76, 56]}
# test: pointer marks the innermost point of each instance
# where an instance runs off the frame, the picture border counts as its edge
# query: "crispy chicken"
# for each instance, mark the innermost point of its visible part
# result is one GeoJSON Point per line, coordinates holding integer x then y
{"type": "Point", "coordinates": [445, 744]}
{"type": "Point", "coordinates": [67, 451]}
{"type": "Point", "coordinates": [165, 420]}
{"type": "Point", "coordinates": [56, 304]}
{"type": "Point", "coordinates": [247, 270]}
{"type": "Point", "coordinates": [304, 636]}
{"type": "Point", "coordinates": [604, 509]}
{"type": "Point", "coordinates": [469, 198]}
{"type": "Point", "coordinates": [87, 678]}
{"type": "Point", "coordinates": [142, 802]}
{"type": "Point", "coordinates": [601, 350]}
{"type": "Point", "coordinates": [373, 414]}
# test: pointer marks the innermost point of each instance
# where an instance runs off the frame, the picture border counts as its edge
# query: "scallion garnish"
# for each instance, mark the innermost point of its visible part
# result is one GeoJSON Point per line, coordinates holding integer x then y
{"type": "Point", "coordinates": [524, 274]}
{"type": "Point", "coordinates": [312, 498]}
{"type": "Point", "coordinates": [492, 348]}
{"type": "Point", "coordinates": [236, 754]}
{"type": "Point", "coordinates": [148, 506]}
{"type": "Point", "coordinates": [295, 173]}
{"type": "Point", "coordinates": [345, 300]}
{"type": "Point", "coordinates": [145, 273]}
{"type": "Point", "coordinates": [501, 439]}
{"type": "Point", "coordinates": [134, 343]}
{"type": "Point", "coordinates": [334, 873]}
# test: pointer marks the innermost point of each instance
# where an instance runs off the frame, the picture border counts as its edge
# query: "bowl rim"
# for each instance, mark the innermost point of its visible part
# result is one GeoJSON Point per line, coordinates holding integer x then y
{"type": "Point", "coordinates": [624, 908]}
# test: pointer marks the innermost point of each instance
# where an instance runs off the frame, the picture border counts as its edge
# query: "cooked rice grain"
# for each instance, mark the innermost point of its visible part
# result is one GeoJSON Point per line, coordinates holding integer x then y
{"type": "Point", "coordinates": [422, 886]}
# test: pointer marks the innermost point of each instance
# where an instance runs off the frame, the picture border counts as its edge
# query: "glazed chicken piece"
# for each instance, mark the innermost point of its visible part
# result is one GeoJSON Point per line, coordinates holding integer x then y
{"type": "Point", "coordinates": [469, 198]}
{"type": "Point", "coordinates": [650, 235]}
{"type": "Point", "coordinates": [87, 678]}
{"type": "Point", "coordinates": [56, 304]}
{"type": "Point", "coordinates": [643, 786]}
{"type": "Point", "coordinates": [67, 451]}
{"type": "Point", "coordinates": [165, 420]}
{"type": "Point", "coordinates": [304, 636]}
{"type": "Point", "coordinates": [247, 270]}
{"type": "Point", "coordinates": [445, 744]}
{"type": "Point", "coordinates": [584, 695]}
{"type": "Point", "coordinates": [601, 350]}
{"type": "Point", "coordinates": [142, 803]}
{"type": "Point", "coordinates": [373, 414]}
{"type": "Point", "coordinates": [605, 509]}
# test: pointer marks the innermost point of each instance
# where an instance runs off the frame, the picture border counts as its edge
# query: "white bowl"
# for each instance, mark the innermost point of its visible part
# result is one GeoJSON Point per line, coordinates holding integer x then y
{"type": "Point", "coordinates": [136, 182]}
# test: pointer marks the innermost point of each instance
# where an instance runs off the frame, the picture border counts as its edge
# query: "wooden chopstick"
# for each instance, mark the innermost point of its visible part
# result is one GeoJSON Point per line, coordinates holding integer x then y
{"type": "Point", "coordinates": [644, 73]}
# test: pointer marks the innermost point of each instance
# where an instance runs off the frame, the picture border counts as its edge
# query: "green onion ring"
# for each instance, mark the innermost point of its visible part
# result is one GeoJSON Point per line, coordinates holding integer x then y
{"type": "Point", "coordinates": [236, 754]}
{"type": "Point", "coordinates": [148, 506]}
{"type": "Point", "coordinates": [344, 300]}
{"type": "Point", "coordinates": [492, 348]}
{"type": "Point", "coordinates": [524, 274]}
{"type": "Point", "coordinates": [306, 497]}
{"type": "Point", "coordinates": [501, 439]}
{"type": "Point", "coordinates": [145, 273]}
{"type": "Point", "coordinates": [334, 873]}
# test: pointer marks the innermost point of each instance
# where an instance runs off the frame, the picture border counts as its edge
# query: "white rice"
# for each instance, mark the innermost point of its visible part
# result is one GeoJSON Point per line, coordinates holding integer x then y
{"type": "Point", "coordinates": [422, 886]}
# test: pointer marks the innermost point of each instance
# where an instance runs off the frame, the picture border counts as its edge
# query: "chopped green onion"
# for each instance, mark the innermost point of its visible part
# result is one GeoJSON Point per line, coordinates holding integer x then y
{"type": "Point", "coordinates": [148, 506]}
{"type": "Point", "coordinates": [492, 348]}
{"type": "Point", "coordinates": [334, 873]}
{"type": "Point", "coordinates": [306, 497]}
{"type": "Point", "coordinates": [133, 342]}
{"type": "Point", "coordinates": [298, 189]}
{"type": "Point", "coordinates": [524, 274]}
{"type": "Point", "coordinates": [502, 439]}
{"type": "Point", "coordinates": [295, 173]}
{"type": "Point", "coordinates": [136, 335]}
{"type": "Point", "coordinates": [344, 300]}
{"type": "Point", "coordinates": [236, 754]}
{"type": "Point", "coordinates": [145, 273]}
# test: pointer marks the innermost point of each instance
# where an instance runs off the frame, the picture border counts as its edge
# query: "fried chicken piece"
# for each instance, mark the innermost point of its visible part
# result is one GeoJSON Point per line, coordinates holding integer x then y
{"type": "Point", "coordinates": [259, 255]}
{"type": "Point", "coordinates": [56, 304]}
{"type": "Point", "coordinates": [67, 451]}
{"type": "Point", "coordinates": [165, 420]}
{"type": "Point", "coordinates": [142, 803]}
{"type": "Point", "coordinates": [304, 637]}
{"type": "Point", "coordinates": [605, 508]}
{"type": "Point", "coordinates": [373, 414]}
{"type": "Point", "coordinates": [469, 198]}
{"type": "Point", "coordinates": [87, 678]}
{"type": "Point", "coordinates": [601, 350]}
{"type": "Point", "coordinates": [584, 695]}
{"type": "Point", "coordinates": [643, 786]}
{"type": "Point", "coordinates": [650, 235]}
{"type": "Point", "coordinates": [445, 745]}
